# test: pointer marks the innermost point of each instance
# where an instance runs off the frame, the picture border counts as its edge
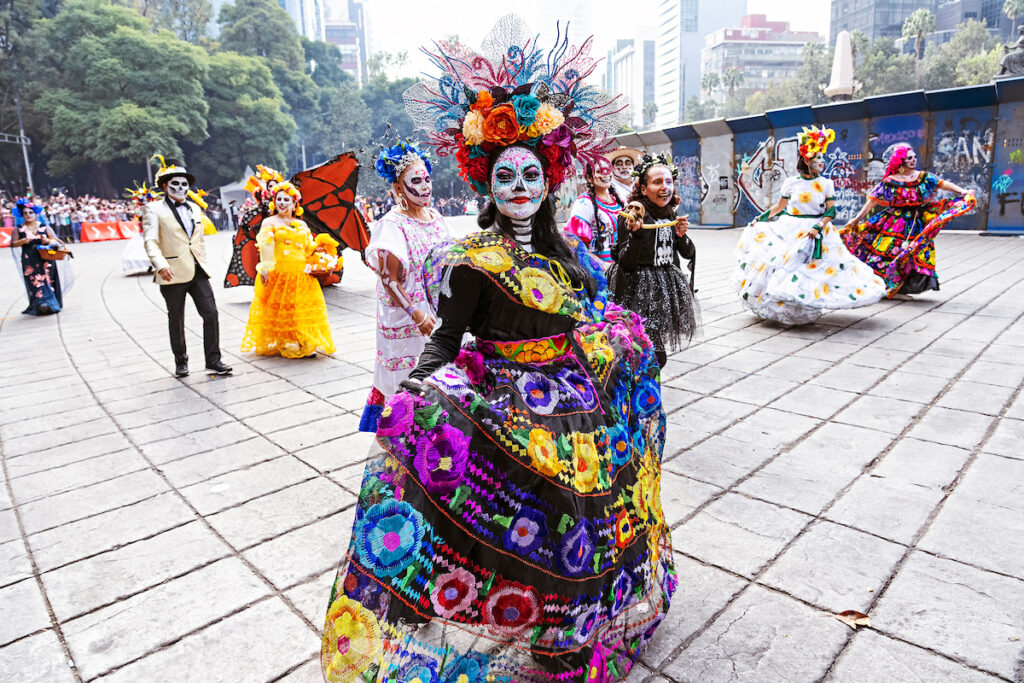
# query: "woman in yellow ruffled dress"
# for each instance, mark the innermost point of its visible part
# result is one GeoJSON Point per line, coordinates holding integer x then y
{"type": "Point", "coordinates": [288, 316]}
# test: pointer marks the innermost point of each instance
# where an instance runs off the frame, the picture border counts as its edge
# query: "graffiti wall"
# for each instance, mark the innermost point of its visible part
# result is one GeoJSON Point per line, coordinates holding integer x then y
{"type": "Point", "coordinates": [692, 189]}
{"type": "Point", "coordinates": [1006, 206]}
{"type": "Point", "coordinates": [733, 176]}
{"type": "Point", "coordinates": [754, 163]}
{"type": "Point", "coordinates": [888, 131]}
{"type": "Point", "coordinates": [844, 164]}
{"type": "Point", "coordinates": [962, 144]}
{"type": "Point", "coordinates": [716, 173]}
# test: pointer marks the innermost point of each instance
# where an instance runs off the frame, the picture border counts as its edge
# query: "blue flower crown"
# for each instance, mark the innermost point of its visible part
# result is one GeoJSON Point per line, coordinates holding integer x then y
{"type": "Point", "coordinates": [395, 159]}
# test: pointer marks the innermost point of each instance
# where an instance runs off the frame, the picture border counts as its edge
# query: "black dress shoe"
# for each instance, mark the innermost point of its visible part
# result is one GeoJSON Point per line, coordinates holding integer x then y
{"type": "Point", "coordinates": [219, 368]}
{"type": "Point", "coordinates": [181, 369]}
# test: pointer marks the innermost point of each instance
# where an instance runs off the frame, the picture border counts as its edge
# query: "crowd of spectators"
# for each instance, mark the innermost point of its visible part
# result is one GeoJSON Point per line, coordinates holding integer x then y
{"type": "Point", "coordinates": [66, 214]}
{"type": "Point", "coordinates": [375, 207]}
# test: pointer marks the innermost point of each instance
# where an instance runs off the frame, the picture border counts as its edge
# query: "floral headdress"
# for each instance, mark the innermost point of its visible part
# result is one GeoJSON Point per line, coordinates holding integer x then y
{"type": "Point", "coordinates": [649, 160]}
{"type": "Point", "coordinates": [512, 93]}
{"type": "Point", "coordinates": [266, 183]}
{"type": "Point", "coordinates": [814, 141]}
{"type": "Point", "coordinates": [142, 195]}
{"type": "Point", "coordinates": [395, 159]}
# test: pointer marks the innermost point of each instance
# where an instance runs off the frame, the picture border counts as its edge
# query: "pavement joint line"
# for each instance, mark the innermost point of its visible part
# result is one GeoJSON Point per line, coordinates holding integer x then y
{"type": "Point", "coordinates": [947, 491]}
{"type": "Point", "coordinates": [234, 551]}
{"type": "Point", "coordinates": [243, 359]}
{"type": "Point", "coordinates": [36, 577]}
{"type": "Point", "coordinates": [293, 669]}
{"type": "Point", "coordinates": [177, 639]}
{"type": "Point", "coordinates": [788, 447]}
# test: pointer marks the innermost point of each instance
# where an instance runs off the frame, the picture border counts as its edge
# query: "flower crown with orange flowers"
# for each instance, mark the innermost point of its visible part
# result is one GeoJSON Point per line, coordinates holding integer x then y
{"type": "Point", "coordinates": [511, 93]}
{"type": "Point", "coordinates": [814, 141]}
{"type": "Point", "coordinates": [266, 183]}
{"type": "Point", "coordinates": [292, 192]}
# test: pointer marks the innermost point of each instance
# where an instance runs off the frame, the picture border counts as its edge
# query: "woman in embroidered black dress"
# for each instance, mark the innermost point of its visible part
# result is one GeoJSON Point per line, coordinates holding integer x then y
{"type": "Point", "coordinates": [510, 526]}
{"type": "Point", "coordinates": [42, 282]}
{"type": "Point", "coordinates": [646, 277]}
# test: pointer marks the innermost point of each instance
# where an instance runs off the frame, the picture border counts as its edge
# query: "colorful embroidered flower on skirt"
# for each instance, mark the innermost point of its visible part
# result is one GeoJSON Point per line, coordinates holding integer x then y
{"type": "Point", "coordinates": [468, 668]}
{"type": "Point", "coordinates": [351, 641]}
{"type": "Point", "coordinates": [511, 608]}
{"type": "Point", "coordinates": [586, 623]}
{"type": "Point", "coordinates": [624, 531]}
{"type": "Point", "coordinates": [418, 668]}
{"type": "Point", "coordinates": [539, 392]}
{"type": "Point", "coordinates": [647, 397]}
{"type": "Point", "coordinates": [576, 551]}
{"type": "Point", "coordinates": [586, 462]}
{"type": "Point", "coordinates": [453, 592]}
{"type": "Point", "coordinates": [544, 452]}
{"type": "Point", "coordinates": [619, 445]}
{"type": "Point", "coordinates": [622, 592]}
{"type": "Point", "coordinates": [491, 259]}
{"type": "Point", "coordinates": [397, 415]}
{"type": "Point", "coordinates": [528, 530]}
{"type": "Point", "coordinates": [388, 536]}
{"type": "Point", "coordinates": [540, 291]}
{"type": "Point", "coordinates": [441, 458]}
{"type": "Point", "coordinates": [597, 668]}
{"type": "Point", "coordinates": [645, 483]}
{"type": "Point", "coordinates": [578, 387]}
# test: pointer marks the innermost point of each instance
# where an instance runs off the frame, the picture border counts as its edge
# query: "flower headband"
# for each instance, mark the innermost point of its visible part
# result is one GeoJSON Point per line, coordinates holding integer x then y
{"type": "Point", "coordinates": [511, 93]}
{"type": "Point", "coordinates": [142, 195]}
{"type": "Point", "coordinates": [395, 159]}
{"type": "Point", "coordinates": [649, 160]}
{"type": "Point", "coordinates": [291, 191]}
{"type": "Point", "coordinates": [897, 159]}
{"type": "Point", "coordinates": [814, 141]}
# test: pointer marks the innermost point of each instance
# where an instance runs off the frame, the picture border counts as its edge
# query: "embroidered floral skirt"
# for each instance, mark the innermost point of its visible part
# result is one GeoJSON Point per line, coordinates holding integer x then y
{"type": "Point", "coordinates": [510, 526]}
{"type": "Point", "coordinates": [288, 315]}
{"type": "Point", "coordinates": [777, 278]}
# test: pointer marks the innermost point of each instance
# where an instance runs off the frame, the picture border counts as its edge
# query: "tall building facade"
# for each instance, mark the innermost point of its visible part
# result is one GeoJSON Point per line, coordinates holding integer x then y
{"type": "Point", "coordinates": [308, 16]}
{"type": "Point", "coordinates": [630, 72]}
{"type": "Point", "coordinates": [345, 27]}
{"type": "Point", "coordinates": [682, 25]}
{"type": "Point", "coordinates": [765, 51]}
{"type": "Point", "coordinates": [874, 18]}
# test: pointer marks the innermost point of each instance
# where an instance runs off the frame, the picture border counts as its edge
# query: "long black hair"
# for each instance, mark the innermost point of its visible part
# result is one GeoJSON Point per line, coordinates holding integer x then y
{"type": "Point", "coordinates": [546, 237]}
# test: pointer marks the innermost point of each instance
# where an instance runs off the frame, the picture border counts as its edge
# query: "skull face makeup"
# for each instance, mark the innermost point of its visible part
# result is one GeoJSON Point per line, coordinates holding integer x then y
{"type": "Point", "coordinates": [416, 185]}
{"type": "Point", "coordinates": [284, 204]}
{"type": "Point", "coordinates": [517, 183]}
{"type": "Point", "coordinates": [602, 174]}
{"type": "Point", "coordinates": [660, 186]}
{"type": "Point", "coordinates": [177, 189]}
{"type": "Point", "coordinates": [817, 164]}
{"type": "Point", "coordinates": [622, 168]}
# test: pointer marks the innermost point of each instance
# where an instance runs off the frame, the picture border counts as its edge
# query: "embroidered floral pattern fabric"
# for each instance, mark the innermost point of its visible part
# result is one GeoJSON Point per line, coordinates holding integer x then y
{"type": "Point", "coordinates": [511, 527]}
{"type": "Point", "coordinates": [908, 208]}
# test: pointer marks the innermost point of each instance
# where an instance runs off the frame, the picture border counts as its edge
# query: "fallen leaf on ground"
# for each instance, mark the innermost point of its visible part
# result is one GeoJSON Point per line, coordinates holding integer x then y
{"type": "Point", "coordinates": [853, 618]}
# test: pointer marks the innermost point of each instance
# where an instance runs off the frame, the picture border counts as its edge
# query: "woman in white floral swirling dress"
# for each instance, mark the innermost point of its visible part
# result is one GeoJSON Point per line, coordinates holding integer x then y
{"type": "Point", "coordinates": [796, 268]}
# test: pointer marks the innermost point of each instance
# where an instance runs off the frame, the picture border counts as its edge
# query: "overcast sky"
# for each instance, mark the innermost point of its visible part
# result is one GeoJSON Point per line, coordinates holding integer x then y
{"type": "Point", "coordinates": [397, 25]}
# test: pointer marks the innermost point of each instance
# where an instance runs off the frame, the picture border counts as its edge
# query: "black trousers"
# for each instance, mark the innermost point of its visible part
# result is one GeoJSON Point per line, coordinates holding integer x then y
{"type": "Point", "coordinates": [202, 294]}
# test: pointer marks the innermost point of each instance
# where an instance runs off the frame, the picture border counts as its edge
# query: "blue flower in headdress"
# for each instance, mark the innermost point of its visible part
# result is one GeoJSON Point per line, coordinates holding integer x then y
{"type": "Point", "coordinates": [526, 107]}
{"type": "Point", "coordinates": [393, 160]}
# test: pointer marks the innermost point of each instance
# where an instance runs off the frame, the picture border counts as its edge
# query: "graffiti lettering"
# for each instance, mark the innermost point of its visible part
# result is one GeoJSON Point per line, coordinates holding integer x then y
{"type": "Point", "coordinates": [899, 136]}
{"type": "Point", "coordinates": [1003, 182]}
{"type": "Point", "coordinates": [1008, 199]}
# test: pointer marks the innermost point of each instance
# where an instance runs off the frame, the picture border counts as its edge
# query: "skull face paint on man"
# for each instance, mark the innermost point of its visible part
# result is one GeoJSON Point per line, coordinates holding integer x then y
{"type": "Point", "coordinates": [517, 183]}
{"type": "Point", "coordinates": [622, 168]}
{"type": "Point", "coordinates": [416, 185]}
{"type": "Point", "coordinates": [177, 189]}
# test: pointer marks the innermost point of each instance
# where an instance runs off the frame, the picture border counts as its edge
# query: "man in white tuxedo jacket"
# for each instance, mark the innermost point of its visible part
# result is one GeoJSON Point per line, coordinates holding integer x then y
{"type": "Point", "coordinates": [173, 233]}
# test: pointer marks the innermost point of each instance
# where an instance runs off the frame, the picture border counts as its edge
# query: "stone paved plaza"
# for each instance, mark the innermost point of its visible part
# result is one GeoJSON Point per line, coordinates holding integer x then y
{"type": "Point", "coordinates": [156, 529]}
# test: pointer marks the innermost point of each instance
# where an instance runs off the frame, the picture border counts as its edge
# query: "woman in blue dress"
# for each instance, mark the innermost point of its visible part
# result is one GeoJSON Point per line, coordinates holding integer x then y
{"type": "Point", "coordinates": [42, 283]}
